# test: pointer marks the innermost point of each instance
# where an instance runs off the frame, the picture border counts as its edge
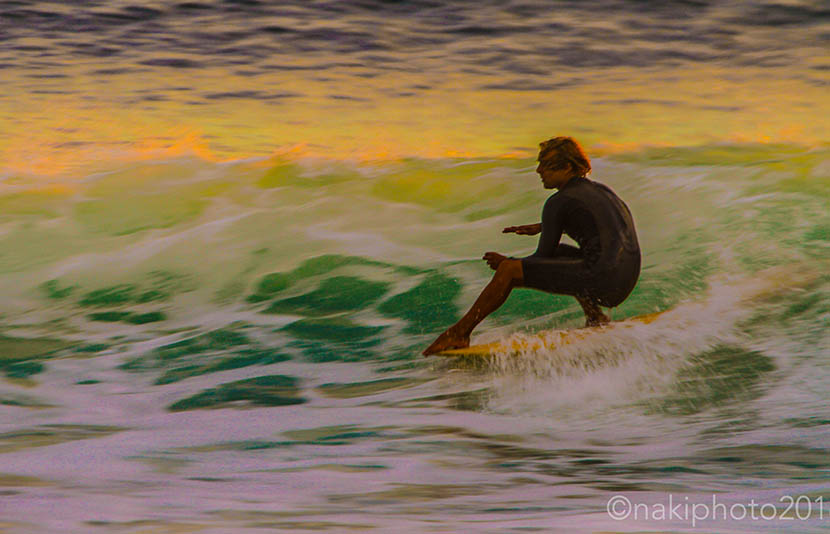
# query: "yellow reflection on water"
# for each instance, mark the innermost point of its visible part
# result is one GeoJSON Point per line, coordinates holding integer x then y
{"type": "Point", "coordinates": [614, 109]}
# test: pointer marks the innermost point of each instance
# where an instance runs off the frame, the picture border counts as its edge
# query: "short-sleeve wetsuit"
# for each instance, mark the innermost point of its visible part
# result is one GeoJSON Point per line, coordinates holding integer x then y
{"type": "Point", "coordinates": [606, 266]}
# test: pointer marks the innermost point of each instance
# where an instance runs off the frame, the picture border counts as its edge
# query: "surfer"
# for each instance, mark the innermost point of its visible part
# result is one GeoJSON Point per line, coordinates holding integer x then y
{"type": "Point", "coordinates": [602, 271]}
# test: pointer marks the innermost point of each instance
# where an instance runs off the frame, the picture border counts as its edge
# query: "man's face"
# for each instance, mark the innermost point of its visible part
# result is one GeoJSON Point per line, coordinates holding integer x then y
{"type": "Point", "coordinates": [553, 176]}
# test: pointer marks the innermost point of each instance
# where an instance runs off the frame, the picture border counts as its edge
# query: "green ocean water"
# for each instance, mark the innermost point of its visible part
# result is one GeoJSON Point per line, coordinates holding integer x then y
{"type": "Point", "coordinates": [204, 337]}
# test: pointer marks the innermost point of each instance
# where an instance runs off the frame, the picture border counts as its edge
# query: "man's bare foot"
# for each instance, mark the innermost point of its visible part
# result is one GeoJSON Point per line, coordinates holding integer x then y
{"type": "Point", "coordinates": [597, 319]}
{"type": "Point", "coordinates": [447, 341]}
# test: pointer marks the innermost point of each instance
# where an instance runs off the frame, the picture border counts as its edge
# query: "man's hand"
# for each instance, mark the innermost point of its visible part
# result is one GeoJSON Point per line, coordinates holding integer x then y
{"type": "Point", "coordinates": [494, 259]}
{"type": "Point", "coordinates": [527, 229]}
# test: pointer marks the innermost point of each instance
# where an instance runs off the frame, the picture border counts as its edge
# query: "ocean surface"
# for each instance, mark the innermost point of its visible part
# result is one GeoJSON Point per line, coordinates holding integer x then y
{"type": "Point", "coordinates": [229, 228]}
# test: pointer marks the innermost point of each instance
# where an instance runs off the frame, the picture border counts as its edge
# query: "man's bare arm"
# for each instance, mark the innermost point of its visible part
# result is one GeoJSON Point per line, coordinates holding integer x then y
{"type": "Point", "coordinates": [526, 229]}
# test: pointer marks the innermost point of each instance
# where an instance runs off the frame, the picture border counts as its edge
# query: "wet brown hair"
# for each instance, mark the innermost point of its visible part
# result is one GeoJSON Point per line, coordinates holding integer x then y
{"type": "Point", "coordinates": [558, 151]}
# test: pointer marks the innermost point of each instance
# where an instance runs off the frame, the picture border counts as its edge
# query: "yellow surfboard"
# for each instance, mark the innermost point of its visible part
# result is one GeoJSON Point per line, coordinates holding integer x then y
{"type": "Point", "coordinates": [545, 340]}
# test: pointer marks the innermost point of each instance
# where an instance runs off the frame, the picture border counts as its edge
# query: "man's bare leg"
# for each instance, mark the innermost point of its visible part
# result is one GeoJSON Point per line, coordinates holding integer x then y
{"type": "Point", "coordinates": [508, 275]}
{"type": "Point", "coordinates": [593, 313]}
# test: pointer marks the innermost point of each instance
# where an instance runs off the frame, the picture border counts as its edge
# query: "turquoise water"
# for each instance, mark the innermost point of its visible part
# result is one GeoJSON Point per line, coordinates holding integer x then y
{"type": "Point", "coordinates": [193, 346]}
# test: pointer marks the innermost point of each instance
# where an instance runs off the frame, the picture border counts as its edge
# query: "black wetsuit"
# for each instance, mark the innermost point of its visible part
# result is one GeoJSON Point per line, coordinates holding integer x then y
{"type": "Point", "coordinates": [606, 265]}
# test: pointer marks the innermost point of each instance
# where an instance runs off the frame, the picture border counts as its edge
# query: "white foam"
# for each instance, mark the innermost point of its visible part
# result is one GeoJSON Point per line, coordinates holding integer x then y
{"type": "Point", "coordinates": [626, 361]}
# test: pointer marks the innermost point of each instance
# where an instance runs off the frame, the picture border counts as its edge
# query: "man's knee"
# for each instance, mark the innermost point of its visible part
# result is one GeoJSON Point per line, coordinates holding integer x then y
{"type": "Point", "coordinates": [512, 269]}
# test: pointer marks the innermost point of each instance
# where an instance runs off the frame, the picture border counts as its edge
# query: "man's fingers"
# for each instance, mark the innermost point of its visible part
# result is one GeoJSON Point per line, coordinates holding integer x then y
{"type": "Point", "coordinates": [528, 229]}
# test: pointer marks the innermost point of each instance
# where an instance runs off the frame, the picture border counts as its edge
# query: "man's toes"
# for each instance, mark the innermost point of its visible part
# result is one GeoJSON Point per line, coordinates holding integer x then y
{"type": "Point", "coordinates": [437, 346]}
{"type": "Point", "coordinates": [430, 350]}
{"type": "Point", "coordinates": [445, 342]}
